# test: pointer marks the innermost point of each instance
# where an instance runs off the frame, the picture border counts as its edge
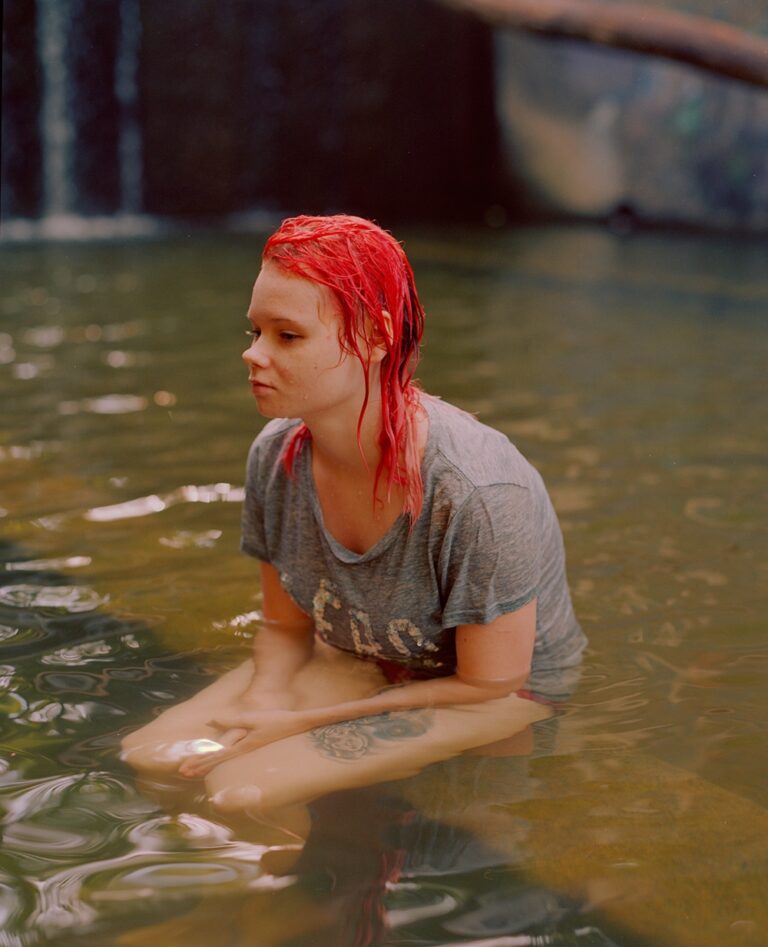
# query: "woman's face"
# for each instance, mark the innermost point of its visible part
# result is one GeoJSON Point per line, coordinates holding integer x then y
{"type": "Point", "coordinates": [296, 365]}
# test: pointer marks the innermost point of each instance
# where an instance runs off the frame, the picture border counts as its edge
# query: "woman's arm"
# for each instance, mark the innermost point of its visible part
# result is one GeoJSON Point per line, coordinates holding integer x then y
{"type": "Point", "coordinates": [492, 661]}
{"type": "Point", "coordinates": [282, 646]}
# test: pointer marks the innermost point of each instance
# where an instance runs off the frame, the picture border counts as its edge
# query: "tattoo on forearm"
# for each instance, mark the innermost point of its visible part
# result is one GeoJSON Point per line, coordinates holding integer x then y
{"type": "Point", "coordinates": [353, 739]}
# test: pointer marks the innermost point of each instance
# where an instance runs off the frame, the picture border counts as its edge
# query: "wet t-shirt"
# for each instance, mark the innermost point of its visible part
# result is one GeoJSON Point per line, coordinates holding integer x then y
{"type": "Point", "coordinates": [486, 543]}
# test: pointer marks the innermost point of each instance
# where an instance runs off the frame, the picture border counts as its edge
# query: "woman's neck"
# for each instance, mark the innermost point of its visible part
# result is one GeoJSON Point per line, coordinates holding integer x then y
{"type": "Point", "coordinates": [344, 478]}
{"type": "Point", "coordinates": [335, 444]}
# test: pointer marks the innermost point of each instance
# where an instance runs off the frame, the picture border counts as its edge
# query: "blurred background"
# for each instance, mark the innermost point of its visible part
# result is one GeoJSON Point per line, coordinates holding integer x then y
{"type": "Point", "coordinates": [404, 111]}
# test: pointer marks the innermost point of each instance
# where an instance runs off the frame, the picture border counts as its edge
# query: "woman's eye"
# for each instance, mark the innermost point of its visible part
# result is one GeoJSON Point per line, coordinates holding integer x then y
{"type": "Point", "coordinates": [285, 336]}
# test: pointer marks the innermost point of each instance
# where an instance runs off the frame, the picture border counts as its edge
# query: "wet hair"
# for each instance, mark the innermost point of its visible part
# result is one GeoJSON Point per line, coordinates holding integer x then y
{"type": "Point", "coordinates": [370, 278]}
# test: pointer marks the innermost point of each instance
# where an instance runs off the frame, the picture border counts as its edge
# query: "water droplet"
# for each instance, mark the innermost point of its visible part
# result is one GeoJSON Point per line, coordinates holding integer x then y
{"type": "Point", "coordinates": [164, 399]}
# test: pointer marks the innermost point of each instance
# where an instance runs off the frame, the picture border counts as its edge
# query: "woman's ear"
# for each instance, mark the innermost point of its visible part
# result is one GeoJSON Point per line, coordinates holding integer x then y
{"type": "Point", "coordinates": [383, 335]}
{"type": "Point", "coordinates": [386, 322]}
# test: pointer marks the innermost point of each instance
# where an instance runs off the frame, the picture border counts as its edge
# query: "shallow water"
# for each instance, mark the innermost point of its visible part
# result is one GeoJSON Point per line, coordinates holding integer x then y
{"type": "Point", "coordinates": [630, 371]}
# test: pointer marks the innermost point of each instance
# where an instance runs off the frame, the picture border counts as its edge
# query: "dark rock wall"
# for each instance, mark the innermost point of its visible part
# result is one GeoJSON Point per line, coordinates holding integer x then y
{"type": "Point", "coordinates": [192, 67]}
{"type": "Point", "coordinates": [381, 108]}
{"type": "Point", "coordinates": [401, 109]}
{"type": "Point", "coordinates": [92, 50]}
{"type": "Point", "coordinates": [20, 171]}
{"type": "Point", "coordinates": [342, 104]}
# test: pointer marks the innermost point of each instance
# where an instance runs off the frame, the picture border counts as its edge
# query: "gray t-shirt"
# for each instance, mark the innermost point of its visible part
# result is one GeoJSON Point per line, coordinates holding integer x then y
{"type": "Point", "coordinates": [486, 543]}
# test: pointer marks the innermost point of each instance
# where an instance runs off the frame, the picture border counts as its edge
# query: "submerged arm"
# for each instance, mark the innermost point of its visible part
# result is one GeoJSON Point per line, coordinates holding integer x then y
{"type": "Point", "coordinates": [282, 646]}
{"type": "Point", "coordinates": [492, 661]}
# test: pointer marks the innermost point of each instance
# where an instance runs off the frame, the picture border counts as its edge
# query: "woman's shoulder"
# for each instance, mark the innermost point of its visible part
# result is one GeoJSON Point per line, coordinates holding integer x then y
{"type": "Point", "coordinates": [480, 453]}
{"type": "Point", "coordinates": [276, 430]}
{"type": "Point", "coordinates": [268, 445]}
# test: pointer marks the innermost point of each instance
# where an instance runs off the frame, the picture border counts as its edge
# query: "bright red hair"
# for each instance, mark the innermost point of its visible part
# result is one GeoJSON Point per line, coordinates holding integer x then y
{"type": "Point", "coordinates": [369, 275]}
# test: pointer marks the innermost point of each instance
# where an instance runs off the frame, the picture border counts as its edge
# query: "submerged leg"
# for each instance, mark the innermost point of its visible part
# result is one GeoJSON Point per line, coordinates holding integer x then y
{"type": "Point", "coordinates": [330, 677]}
{"type": "Point", "coordinates": [160, 745]}
{"type": "Point", "coordinates": [347, 755]}
{"type": "Point", "coordinates": [362, 752]}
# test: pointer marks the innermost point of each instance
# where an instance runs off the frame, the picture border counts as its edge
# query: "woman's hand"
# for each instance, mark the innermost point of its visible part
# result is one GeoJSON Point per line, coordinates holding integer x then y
{"type": "Point", "coordinates": [252, 700]}
{"type": "Point", "coordinates": [243, 731]}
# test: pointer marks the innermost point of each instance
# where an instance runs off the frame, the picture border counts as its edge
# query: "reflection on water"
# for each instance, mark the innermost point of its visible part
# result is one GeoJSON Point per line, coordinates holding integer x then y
{"type": "Point", "coordinates": [144, 506]}
{"type": "Point", "coordinates": [108, 404]}
{"type": "Point", "coordinates": [71, 598]}
{"type": "Point", "coordinates": [630, 371]}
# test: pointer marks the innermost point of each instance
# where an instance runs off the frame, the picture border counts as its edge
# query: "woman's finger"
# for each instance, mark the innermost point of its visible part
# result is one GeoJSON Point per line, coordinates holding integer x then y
{"type": "Point", "coordinates": [200, 763]}
{"type": "Point", "coordinates": [232, 736]}
{"type": "Point", "coordinates": [195, 767]}
{"type": "Point", "coordinates": [231, 722]}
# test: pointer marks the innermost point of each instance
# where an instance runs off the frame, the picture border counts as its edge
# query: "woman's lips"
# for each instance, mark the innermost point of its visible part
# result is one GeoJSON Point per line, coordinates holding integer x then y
{"type": "Point", "coordinates": [259, 389]}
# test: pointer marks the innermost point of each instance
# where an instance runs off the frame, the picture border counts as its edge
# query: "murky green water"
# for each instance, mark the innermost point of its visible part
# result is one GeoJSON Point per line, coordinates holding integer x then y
{"type": "Point", "coordinates": [631, 372]}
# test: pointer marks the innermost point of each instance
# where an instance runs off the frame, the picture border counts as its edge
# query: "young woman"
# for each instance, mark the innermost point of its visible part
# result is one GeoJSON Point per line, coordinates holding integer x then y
{"type": "Point", "coordinates": [388, 525]}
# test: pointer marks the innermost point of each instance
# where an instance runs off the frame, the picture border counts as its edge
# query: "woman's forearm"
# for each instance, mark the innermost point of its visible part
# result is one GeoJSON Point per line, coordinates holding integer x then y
{"type": "Point", "coordinates": [280, 650]}
{"type": "Point", "coordinates": [437, 692]}
{"type": "Point", "coordinates": [266, 726]}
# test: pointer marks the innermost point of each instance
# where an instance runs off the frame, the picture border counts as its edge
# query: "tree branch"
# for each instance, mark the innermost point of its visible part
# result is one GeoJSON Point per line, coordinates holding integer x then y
{"type": "Point", "coordinates": [699, 41]}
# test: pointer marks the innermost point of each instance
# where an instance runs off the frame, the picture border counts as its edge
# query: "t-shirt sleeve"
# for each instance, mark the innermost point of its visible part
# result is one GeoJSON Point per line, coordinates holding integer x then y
{"type": "Point", "coordinates": [253, 539]}
{"type": "Point", "coordinates": [489, 564]}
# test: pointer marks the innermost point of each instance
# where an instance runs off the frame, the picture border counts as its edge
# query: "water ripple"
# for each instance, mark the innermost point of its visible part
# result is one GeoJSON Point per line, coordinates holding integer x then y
{"type": "Point", "coordinates": [187, 539]}
{"type": "Point", "coordinates": [145, 506]}
{"type": "Point", "coordinates": [168, 833]}
{"type": "Point", "coordinates": [84, 653]}
{"type": "Point", "coordinates": [141, 506]}
{"type": "Point", "coordinates": [72, 599]}
{"type": "Point", "coordinates": [47, 840]}
{"type": "Point", "coordinates": [413, 903]}
{"type": "Point", "coordinates": [73, 899]}
{"type": "Point", "coordinates": [7, 632]}
{"type": "Point", "coordinates": [58, 682]}
{"type": "Point", "coordinates": [17, 901]}
{"type": "Point", "coordinates": [149, 880]}
{"type": "Point", "coordinates": [31, 632]}
{"type": "Point", "coordinates": [27, 797]}
{"type": "Point", "coordinates": [12, 705]}
{"type": "Point", "coordinates": [35, 565]}
{"type": "Point", "coordinates": [31, 451]}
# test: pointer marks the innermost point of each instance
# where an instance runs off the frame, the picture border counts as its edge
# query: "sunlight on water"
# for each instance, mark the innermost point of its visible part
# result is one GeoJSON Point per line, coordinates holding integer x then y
{"type": "Point", "coordinates": [629, 371]}
{"type": "Point", "coordinates": [36, 565]}
{"type": "Point", "coordinates": [108, 404]}
{"type": "Point", "coordinates": [144, 506]}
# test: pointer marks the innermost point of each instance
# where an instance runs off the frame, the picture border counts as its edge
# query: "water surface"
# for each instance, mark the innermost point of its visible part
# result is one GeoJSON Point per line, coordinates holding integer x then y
{"type": "Point", "coordinates": [630, 371]}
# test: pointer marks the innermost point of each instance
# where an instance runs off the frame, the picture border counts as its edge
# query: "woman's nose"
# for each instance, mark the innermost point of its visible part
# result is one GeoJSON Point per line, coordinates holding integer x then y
{"type": "Point", "coordinates": [255, 354]}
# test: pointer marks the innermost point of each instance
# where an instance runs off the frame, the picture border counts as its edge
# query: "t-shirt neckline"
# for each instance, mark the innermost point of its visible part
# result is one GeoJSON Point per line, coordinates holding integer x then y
{"type": "Point", "coordinates": [340, 551]}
